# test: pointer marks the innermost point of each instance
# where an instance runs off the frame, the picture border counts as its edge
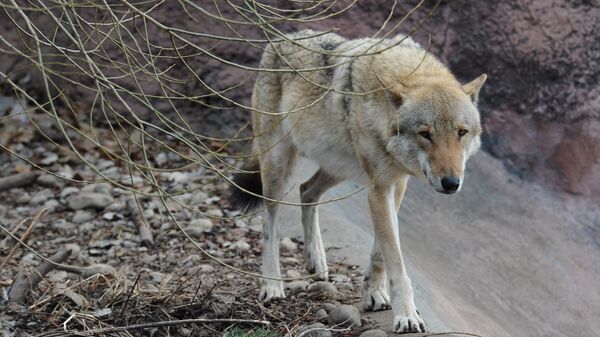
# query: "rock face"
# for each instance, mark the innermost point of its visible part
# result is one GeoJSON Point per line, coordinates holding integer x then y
{"type": "Point", "coordinates": [540, 107]}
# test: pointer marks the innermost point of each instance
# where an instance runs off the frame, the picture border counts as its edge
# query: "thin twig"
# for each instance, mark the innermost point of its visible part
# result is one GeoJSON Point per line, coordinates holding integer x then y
{"type": "Point", "coordinates": [24, 237]}
{"type": "Point", "coordinates": [25, 282]}
{"type": "Point", "coordinates": [169, 323]}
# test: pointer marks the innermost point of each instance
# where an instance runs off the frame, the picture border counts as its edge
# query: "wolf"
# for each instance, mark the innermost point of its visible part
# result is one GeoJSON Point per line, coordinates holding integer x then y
{"type": "Point", "coordinates": [375, 111]}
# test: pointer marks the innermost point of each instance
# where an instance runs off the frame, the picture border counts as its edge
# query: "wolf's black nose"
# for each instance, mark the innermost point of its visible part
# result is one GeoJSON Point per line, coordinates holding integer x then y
{"type": "Point", "coordinates": [450, 184]}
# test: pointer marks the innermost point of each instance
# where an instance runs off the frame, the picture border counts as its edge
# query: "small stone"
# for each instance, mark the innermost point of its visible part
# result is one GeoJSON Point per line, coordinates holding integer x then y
{"type": "Point", "coordinates": [323, 288]}
{"type": "Point", "coordinates": [287, 245]}
{"type": "Point", "coordinates": [23, 198]}
{"type": "Point", "coordinates": [47, 180]}
{"type": "Point", "coordinates": [199, 198]}
{"type": "Point", "coordinates": [240, 245]}
{"type": "Point", "coordinates": [176, 177]}
{"type": "Point", "coordinates": [82, 216]}
{"type": "Point", "coordinates": [115, 207]}
{"type": "Point", "coordinates": [345, 286]}
{"type": "Point", "coordinates": [41, 197]}
{"type": "Point", "coordinates": [158, 277]}
{"type": "Point", "coordinates": [374, 333]}
{"type": "Point", "coordinates": [215, 212]}
{"type": "Point", "coordinates": [99, 268]}
{"type": "Point", "coordinates": [321, 315]}
{"type": "Point", "coordinates": [328, 307]}
{"type": "Point", "coordinates": [160, 159]}
{"type": "Point", "coordinates": [50, 159]}
{"type": "Point", "coordinates": [149, 259]}
{"type": "Point", "coordinates": [339, 278]}
{"type": "Point", "coordinates": [103, 188]}
{"type": "Point", "coordinates": [201, 269]}
{"type": "Point", "coordinates": [197, 227]}
{"type": "Point", "coordinates": [52, 205]}
{"type": "Point", "coordinates": [97, 201]}
{"type": "Point", "coordinates": [290, 260]}
{"type": "Point", "coordinates": [63, 225]}
{"type": "Point", "coordinates": [191, 260]}
{"type": "Point", "coordinates": [256, 223]}
{"type": "Point", "coordinates": [295, 287]}
{"type": "Point", "coordinates": [110, 216]}
{"type": "Point", "coordinates": [292, 274]}
{"type": "Point", "coordinates": [315, 330]}
{"type": "Point", "coordinates": [345, 315]}
{"type": "Point", "coordinates": [67, 191]}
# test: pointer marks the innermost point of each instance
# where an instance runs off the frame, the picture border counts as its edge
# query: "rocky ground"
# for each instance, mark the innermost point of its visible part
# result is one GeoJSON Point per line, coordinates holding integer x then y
{"type": "Point", "coordinates": [121, 267]}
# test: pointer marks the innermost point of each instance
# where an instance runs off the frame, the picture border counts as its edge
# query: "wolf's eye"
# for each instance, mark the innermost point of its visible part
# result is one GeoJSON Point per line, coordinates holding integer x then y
{"type": "Point", "coordinates": [462, 132]}
{"type": "Point", "coordinates": [425, 134]}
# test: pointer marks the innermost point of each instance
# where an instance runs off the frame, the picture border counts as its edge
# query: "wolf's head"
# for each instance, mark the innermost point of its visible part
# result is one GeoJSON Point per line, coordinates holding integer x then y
{"type": "Point", "coordinates": [434, 129]}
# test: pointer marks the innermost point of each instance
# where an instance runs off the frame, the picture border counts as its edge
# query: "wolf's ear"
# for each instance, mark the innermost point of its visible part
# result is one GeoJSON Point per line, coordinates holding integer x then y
{"type": "Point", "coordinates": [472, 88]}
{"type": "Point", "coordinates": [395, 97]}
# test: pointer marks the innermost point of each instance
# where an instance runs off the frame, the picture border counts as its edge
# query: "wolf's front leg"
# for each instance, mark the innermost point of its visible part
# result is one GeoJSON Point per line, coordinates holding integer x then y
{"type": "Point", "coordinates": [385, 222]}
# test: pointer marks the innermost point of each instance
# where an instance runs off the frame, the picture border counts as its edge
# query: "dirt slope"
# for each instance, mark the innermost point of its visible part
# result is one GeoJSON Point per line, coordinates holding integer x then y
{"type": "Point", "coordinates": [502, 258]}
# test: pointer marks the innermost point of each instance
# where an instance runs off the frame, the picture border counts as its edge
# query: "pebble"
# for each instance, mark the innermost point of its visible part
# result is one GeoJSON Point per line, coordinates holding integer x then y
{"type": "Point", "coordinates": [75, 249]}
{"type": "Point", "coordinates": [110, 216]}
{"type": "Point", "coordinates": [63, 225]}
{"type": "Point", "coordinates": [314, 330]}
{"type": "Point", "coordinates": [161, 159]}
{"type": "Point", "coordinates": [50, 159]}
{"type": "Point", "coordinates": [97, 201]}
{"type": "Point", "coordinates": [339, 278]}
{"type": "Point", "coordinates": [199, 198]}
{"type": "Point", "coordinates": [201, 269]}
{"type": "Point", "coordinates": [47, 180]}
{"type": "Point", "coordinates": [323, 288]}
{"type": "Point", "coordinates": [67, 191]}
{"type": "Point", "coordinates": [198, 227]}
{"type": "Point", "coordinates": [290, 260]}
{"type": "Point", "coordinates": [41, 196]}
{"type": "Point", "coordinates": [345, 315]}
{"type": "Point", "coordinates": [295, 287]}
{"type": "Point", "coordinates": [116, 207]}
{"type": "Point", "coordinates": [215, 212]}
{"type": "Point", "coordinates": [328, 307]}
{"type": "Point", "coordinates": [52, 205]}
{"type": "Point", "coordinates": [256, 222]}
{"type": "Point", "coordinates": [23, 198]}
{"type": "Point", "coordinates": [321, 315]}
{"type": "Point", "coordinates": [103, 188]}
{"type": "Point", "coordinates": [240, 245]}
{"type": "Point", "coordinates": [345, 286]}
{"type": "Point", "coordinates": [292, 274]}
{"type": "Point", "coordinates": [287, 245]}
{"type": "Point", "coordinates": [81, 216]}
{"type": "Point", "coordinates": [99, 268]}
{"type": "Point", "coordinates": [158, 277]}
{"type": "Point", "coordinates": [374, 333]}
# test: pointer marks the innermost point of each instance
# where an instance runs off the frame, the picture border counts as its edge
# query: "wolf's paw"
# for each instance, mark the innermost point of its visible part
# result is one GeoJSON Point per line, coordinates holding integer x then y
{"type": "Point", "coordinates": [270, 290]}
{"type": "Point", "coordinates": [411, 323]}
{"type": "Point", "coordinates": [316, 263]}
{"type": "Point", "coordinates": [376, 300]}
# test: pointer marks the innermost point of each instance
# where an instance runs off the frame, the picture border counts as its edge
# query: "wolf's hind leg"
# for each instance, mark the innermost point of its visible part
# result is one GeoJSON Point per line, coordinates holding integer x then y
{"type": "Point", "coordinates": [314, 251]}
{"type": "Point", "coordinates": [275, 168]}
{"type": "Point", "coordinates": [376, 295]}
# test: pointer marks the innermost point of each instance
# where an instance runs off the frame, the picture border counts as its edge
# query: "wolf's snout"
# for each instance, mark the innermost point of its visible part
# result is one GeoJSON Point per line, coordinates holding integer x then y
{"type": "Point", "coordinates": [450, 184]}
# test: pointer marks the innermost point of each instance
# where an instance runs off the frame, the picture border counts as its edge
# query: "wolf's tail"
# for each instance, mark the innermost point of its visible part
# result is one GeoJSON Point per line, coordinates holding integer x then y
{"type": "Point", "coordinates": [250, 182]}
